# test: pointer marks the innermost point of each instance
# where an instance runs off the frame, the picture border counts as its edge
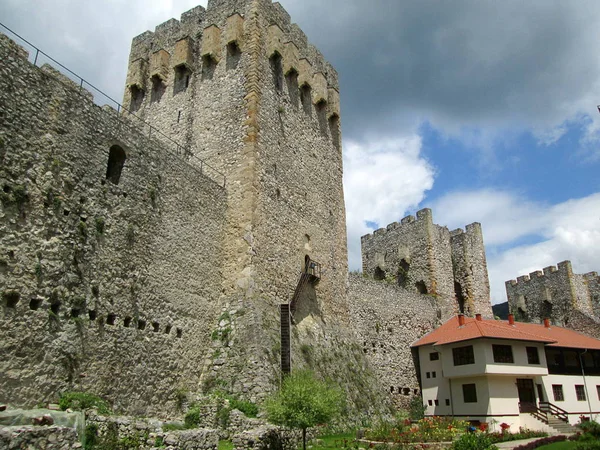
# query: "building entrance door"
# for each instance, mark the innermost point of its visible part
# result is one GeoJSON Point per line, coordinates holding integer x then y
{"type": "Point", "coordinates": [526, 395]}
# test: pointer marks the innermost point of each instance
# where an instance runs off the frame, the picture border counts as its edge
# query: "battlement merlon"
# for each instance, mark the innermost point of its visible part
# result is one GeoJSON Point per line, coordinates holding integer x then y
{"type": "Point", "coordinates": [423, 216]}
{"type": "Point", "coordinates": [563, 268]}
{"type": "Point", "coordinates": [321, 76]}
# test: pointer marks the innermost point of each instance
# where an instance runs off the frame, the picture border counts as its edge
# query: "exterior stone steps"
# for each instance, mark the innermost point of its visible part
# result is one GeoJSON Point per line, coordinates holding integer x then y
{"type": "Point", "coordinates": [560, 425]}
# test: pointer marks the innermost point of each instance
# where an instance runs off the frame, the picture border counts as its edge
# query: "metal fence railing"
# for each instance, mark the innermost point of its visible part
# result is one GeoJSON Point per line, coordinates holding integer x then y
{"type": "Point", "coordinates": [184, 153]}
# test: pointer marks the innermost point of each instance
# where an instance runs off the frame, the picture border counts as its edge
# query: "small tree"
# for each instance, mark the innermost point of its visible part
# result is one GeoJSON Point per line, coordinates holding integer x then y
{"type": "Point", "coordinates": [303, 402]}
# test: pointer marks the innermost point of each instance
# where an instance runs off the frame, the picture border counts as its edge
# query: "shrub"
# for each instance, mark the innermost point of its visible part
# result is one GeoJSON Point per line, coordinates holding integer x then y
{"type": "Point", "coordinates": [540, 442]}
{"type": "Point", "coordinates": [591, 427]}
{"type": "Point", "coordinates": [248, 408]}
{"type": "Point", "coordinates": [192, 417]}
{"type": "Point", "coordinates": [81, 401]}
{"type": "Point", "coordinates": [473, 441]}
{"type": "Point", "coordinates": [416, 408]}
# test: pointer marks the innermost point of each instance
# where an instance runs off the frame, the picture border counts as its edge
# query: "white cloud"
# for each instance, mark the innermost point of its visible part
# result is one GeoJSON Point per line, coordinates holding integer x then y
{"type": "Point", "coordinates": [382, 180]}
{"type": "Point", "coordinates": [565, 231]}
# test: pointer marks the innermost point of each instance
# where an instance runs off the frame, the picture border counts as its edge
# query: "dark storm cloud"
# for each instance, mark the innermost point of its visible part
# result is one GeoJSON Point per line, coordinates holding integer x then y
{"type": "Point", "coordinates": [462, 63]}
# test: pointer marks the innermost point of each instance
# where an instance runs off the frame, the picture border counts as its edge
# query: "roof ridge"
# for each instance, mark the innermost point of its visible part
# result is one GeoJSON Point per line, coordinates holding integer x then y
{"type": "Point", "coordinates": [517, 330]}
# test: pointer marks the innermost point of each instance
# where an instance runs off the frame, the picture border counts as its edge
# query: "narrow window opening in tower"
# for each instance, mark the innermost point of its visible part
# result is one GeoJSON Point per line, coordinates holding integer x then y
{"type": "Point", "coordinates": [378, 274]}
{"type": "Point", "coordinates": [460, 297]}
{"type": "Point", "coordinates": [158, 89]}
{"type": "Point", "coordinates": [92, 314]}
{"type": "Point", "coordinates": [75, 312]}
{"type": "Point", "coordinates": [155, 327]}
{"type": "Point", "coordinates": [291, 79]}
{"type": "Point", "coordinates": [35, 304]}
{"type": "Point", "coordinates": [305, 98]}
{"type": "Point", "coordinates": [116, 161]}
{"type": "Point", "coordinates": [321, 110]}
{"type": "Point", "coordinates": [334, 130]}
{"type": "Point", "coordinates": [110, 319]}
{"type": "Point", "coordinates": [546, 310]}
{"type": "Point", "coordinates": [234, 54]}
{"type": "Point", "coordinates": [178, 116]}
{"type": "Point", "coordinates": [55, 308]}
{"type": "Point", "coordinates": [277, 71]}
{"type": "Point", "coordinates": [127, 322]}
{"type": "Point", "coordinates": [141, 324]}
{"type": "Point", "coordinates": [403, 268]}
{"type": "Point", "coordinates": [421, 287]}
{"type": "Point", "coordinates": [182, 79]}
{"type": "Point", "coordinates": [11, 299]}
{"type": "Point", "coordinates": [137, 98]}
{"type": "Point", "coordinates": [209, 65]}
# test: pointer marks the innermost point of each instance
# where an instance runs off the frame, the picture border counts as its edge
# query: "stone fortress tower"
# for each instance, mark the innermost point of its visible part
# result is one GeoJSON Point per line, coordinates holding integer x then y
{"type": "Point", "coordinates": [568, 299]}
{"type": "Point", "coordinates": [241, 88]}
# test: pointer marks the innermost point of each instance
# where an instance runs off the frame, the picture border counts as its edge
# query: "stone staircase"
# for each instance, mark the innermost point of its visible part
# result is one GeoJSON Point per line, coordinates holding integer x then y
{"type": "Point", "coordinates": [560, 426]}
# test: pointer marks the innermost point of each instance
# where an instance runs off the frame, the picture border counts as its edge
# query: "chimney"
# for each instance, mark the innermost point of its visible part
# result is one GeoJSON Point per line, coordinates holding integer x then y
{"type": "Point", "coordinates": [547, 322]}
{"type": "Point", "coordinates": [511, 319]}
{"type": "Point", "coordinates": [478, 317]}
{"type": "Point", "coordinates": [461, 320]}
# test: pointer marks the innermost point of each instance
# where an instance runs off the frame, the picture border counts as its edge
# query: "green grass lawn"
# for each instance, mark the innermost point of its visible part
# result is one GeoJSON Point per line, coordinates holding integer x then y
{"type": "Point", "coordinates": [565, 445]}
{"type": "Point", "coordinates": [334, 441]}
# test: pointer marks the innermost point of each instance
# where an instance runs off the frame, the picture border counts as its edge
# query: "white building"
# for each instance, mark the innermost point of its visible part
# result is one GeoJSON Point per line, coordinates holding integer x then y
{"type": "Point", "coordinates": [522, 374]}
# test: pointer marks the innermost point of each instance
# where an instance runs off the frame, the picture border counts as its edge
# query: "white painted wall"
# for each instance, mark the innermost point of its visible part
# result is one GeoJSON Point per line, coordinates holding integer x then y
{"type": "Point", "coordinates": [570, 403]}
{"type": "Point", "coordinates": [520, 366]}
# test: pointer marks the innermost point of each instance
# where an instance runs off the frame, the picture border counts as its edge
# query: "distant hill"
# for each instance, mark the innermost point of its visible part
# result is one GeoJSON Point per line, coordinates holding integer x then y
{"type": "Point", "coordinates": [501, 310]}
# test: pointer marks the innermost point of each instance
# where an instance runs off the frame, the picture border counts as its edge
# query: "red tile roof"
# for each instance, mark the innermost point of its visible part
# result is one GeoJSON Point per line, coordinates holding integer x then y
{"type": "Point", "coordinates": [553, 336]}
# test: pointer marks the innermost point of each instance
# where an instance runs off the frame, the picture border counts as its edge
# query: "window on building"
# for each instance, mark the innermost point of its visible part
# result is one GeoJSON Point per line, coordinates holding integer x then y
{"type": "Point", "coordinates": [557, 391]}
{"type": "Point", "coordinates": [428, 374]}
{"type": "Point", "coordinates": [598, 391]}
{"type": "Point", "coordinates": [463, 355]}
{"type": "Point", "coordinates": [469, 393]}
{"type": "Point", "coordinates": [447, 402]}
{"type": "Point", "coordinates": [533, 356]}
{"type": "Point", "coordinates": [430, 402]}
{"type": "Point", "coordinates": [436, 402]}
{"type": "Point", "coordinates": [434, 356]}
{"type": "Point", "coordinates": [503, 354]}
{"type": "Point", "coordinates": [580, 392]}
{"type": "Point", "coordinates": [433, 374]}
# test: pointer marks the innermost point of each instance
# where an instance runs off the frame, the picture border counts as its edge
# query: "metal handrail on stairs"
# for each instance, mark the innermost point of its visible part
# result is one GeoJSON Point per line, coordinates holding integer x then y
{"type": "Point", "coordinates": [545, 410]}
{"type": "Point", "coordinates": [557, 412]}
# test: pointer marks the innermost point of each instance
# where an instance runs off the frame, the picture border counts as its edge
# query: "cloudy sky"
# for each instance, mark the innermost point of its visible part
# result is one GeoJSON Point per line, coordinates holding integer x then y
{"type": "Point", "coordinates": [483, 110]}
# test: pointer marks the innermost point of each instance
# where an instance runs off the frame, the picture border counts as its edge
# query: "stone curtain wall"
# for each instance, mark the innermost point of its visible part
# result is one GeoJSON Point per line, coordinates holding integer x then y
{"type": "Point", "coordinates": [566, 298]}
{"type": "Point", "coordinates": [387, 320]}
{"type": "Point", "coordinates": [426, 258]}
{"type": "Point", "coordinates": [552, 293]}
{"type": "Point", "coordinates": [105, 288]}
